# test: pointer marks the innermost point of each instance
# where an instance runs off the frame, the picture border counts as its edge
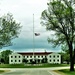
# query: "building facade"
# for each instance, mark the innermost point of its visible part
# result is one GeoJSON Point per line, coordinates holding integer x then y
{"type": "Point", "coordinates": [37, 57]}
{"type": "Point", "coordinates": [54, 58]}
{"type": "Point", "coordinates": [15, 58]}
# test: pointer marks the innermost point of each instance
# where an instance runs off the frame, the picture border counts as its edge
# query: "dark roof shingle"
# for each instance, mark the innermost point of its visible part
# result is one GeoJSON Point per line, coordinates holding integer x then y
{"type": "Point", "coordinates": [35, 53]}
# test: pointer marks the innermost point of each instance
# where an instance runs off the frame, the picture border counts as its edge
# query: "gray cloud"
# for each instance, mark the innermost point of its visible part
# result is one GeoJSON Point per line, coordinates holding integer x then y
{"type": "Point", "coordinates": [22, 11]}
{"type": "Point", "coordinates": [21, 44]}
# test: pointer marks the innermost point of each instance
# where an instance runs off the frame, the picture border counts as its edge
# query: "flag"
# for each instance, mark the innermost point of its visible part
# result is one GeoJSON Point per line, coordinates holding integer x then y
{"type": "Point", "coordinates": [37, 34]}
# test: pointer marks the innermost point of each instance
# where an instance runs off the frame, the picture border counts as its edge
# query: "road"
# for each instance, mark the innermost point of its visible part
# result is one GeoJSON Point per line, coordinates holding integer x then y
{"type": "Point", "coordinates": [27, 72]}
{"type": "Point", "coordinates": [31, 71]}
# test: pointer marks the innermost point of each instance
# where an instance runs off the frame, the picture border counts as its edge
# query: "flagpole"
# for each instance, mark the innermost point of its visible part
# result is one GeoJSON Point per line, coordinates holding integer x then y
{"type": "Point", "coordinates": [33, 38]}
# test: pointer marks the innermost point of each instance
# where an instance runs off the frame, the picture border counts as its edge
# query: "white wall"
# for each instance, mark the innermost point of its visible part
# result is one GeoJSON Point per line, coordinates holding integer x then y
{"type": "Point", "coordinates": [15, 58]}
{"type": "Point", "coordinates": [54, 58]}
{"type": "Point", "coordinates": [33, 57]}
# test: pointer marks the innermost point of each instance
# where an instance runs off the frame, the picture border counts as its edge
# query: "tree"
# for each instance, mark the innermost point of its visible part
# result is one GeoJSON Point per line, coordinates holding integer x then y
{"type": "Point", "coordinates": [5, 56]}
{"type": "Point", "coordinates": [9, 30]}
{"type": "Point", "coordinates": [44, 60]}
{"type": "Point", "coordinates": [2, 60]}
{"type": "Point", "coordinates": [65, 53]}
{"type": "Point", "coordinates": [60, 18]}
{"type": "Point", "coordinates": [25, 60]}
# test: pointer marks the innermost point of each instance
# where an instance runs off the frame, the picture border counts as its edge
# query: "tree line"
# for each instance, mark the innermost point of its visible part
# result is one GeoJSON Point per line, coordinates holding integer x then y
{"type": "Point", "coordinates": [4, 56]}
{"type": "Point", "coordinates": [9, 30]}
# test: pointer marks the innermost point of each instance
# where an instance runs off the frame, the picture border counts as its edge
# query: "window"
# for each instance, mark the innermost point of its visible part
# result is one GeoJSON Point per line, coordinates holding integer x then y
{"type": "Point", "coordinates": [19, 60]}
{"type": "Point", "coordinates": [31, 60]}
{"type": "Point", "coordinates": [58, 56]}
{"type": "Point", "coordinates": [50, 60]}
{"type": "Point", "coordinates": [42, 56]}
{"type": "Point", "coordinates": [54, 60]}
{"type": "Point", "coordinates": [30, 56]}
{"type": "Point", "coordinates": [11, 60]}
{"type": "Point", "coordinates": [27, 56]}
{"type": "Point", "coordinates": [54, 56]}
{"type": "Point", "coordinates": [34, 56]}
{"type": "Point", "coordinates": [50, 56]}
{"type": "Point", "coordinates": [15, 56]}
{"type": "Point", "coordinates": [38, 56]}
{"type": "Point", "coordinates": [58, 60]}
{"type": "Point", "coordinates": [15, 60]}
{"type": "Point", "coordinates": [11, 56]}
{"type": "Point", "coordinates": [23, 56]}
{"type": "Point", "coordinates": [19, 56]}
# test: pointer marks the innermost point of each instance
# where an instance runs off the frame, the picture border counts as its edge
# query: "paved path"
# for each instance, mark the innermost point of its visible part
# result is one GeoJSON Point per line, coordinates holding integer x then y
{"type": "Point", "coordinates": [32, 71]}
{"type": "Point", "coordinates": [27, 72]}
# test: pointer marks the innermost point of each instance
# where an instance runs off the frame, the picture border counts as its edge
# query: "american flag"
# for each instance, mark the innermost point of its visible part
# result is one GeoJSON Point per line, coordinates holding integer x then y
{"type": "Point", "coordinates": [37, 34]}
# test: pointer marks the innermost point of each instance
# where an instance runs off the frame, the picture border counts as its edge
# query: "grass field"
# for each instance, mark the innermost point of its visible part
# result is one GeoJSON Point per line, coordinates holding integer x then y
{"type": "Point", "coordinates": [1, 71]}
{"type": "Point", "coordinates": [31, 65]}
{"type": "Point", "coordinates": [65, 72]}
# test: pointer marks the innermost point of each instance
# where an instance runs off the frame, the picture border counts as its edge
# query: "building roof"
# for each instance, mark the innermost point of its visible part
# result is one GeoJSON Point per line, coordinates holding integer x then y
{"type": "Point", "coordinates": [15, 54]}
{"type": "Point", "coordinates": [35, 53]}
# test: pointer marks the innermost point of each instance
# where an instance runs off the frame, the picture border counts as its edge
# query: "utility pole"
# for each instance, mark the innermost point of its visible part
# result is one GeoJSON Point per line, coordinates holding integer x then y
{"type": "Point", "coordinates": [33, 39]}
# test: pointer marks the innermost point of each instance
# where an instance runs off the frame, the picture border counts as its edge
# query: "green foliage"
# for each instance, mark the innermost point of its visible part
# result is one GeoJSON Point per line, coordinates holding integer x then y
{"type": "Point", "coordinates": [57, 18]}
{"type": "Point", "coordinates": [65, 58]}
{"type": "Point", "coordinates": [25, 60]}
{"type": "Point", "coordinates": [9, 29]}
{"type": "Point", "coordinates": [44, 60]}
{"type": "Point", "coordinates": [2, 71]}
{"type": "Point", "coordinates": [60, 18]}
{"type": "Point", "coordinates": [65, 53]}
{"type": "Point", "coordinates": [65, 49]}
{"type": "Point", "coordinates": [66, 72]}
{"type": "Point", "coordinates": [2, 60]}
{"type": "Point", "coordinates": [5, 56]}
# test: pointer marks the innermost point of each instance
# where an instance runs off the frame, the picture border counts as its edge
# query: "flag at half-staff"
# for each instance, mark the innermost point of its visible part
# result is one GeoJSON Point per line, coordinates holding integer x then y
{"type": "Point", "coordinates": [37, 34]}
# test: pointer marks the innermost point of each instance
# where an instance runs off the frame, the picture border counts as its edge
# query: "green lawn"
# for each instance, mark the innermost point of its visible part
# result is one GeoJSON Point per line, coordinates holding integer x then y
{"type": "Point", "coordinates": [1, 71]}
{"type": "Point", "coordinates": [66, 72]}
{"type": "Point", "coordinates": [31, 65]}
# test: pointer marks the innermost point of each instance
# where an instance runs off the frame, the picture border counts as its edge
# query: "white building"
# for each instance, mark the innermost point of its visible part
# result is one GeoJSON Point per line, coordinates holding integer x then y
{"type": "Point", "coordinates": [54, 58]}
{"type": "Point", "coordinates": [15, 58]}
{"type": "Point", "coordinates": [36, 57]}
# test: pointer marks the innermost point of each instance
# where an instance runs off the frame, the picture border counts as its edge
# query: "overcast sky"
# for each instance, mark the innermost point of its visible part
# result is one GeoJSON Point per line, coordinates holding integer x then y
{"type": "Point", "coordinates": [23, 11]}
